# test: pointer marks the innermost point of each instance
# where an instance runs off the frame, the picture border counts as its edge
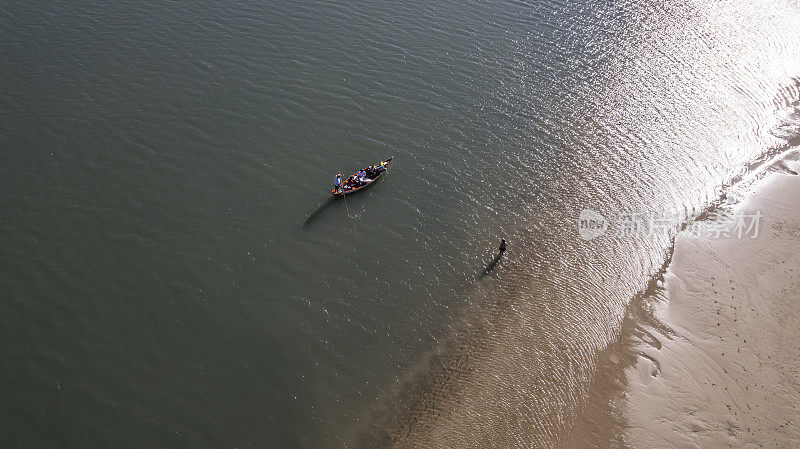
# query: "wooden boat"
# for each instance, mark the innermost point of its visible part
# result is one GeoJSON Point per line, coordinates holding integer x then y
{"type": "Point", "coordinates": [347, 184]}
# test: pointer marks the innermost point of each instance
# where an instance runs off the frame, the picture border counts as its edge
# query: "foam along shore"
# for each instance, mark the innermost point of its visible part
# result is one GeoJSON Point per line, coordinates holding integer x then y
{"type": "Point", "coordinates": [728, 372]}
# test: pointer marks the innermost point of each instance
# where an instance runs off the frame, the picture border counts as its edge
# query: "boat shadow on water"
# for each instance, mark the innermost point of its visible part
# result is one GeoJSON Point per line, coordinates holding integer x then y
{"type": "Point", "coordinates": [332, 199]}
{"type": "Point", "coordinates": [318, 211]}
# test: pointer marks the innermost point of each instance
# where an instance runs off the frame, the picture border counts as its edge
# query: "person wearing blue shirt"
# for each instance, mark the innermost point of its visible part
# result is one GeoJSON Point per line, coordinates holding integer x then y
{"type": "Point", "coordinates": [361, 177]}
{"type": "Point", "coordinates": [337, 182]}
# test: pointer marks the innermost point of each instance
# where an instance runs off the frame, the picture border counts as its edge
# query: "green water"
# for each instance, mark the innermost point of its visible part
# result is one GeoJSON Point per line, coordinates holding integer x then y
{"type": "Point", "coordinates": [173, 273]}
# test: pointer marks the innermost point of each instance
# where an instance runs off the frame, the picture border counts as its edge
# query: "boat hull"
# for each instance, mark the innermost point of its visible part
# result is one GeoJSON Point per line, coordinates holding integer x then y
{"type": "Point", "coordinates": [362, 187]}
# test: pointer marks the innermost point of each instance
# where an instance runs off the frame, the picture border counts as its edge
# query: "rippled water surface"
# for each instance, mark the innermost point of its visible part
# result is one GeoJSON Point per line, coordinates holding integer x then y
{"type": "Point", "coordinates": [173, 271]}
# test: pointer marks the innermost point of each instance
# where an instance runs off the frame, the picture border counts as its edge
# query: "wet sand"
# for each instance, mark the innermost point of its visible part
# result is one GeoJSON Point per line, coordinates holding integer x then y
{"type": "Point", "coordinates": [710, 357]}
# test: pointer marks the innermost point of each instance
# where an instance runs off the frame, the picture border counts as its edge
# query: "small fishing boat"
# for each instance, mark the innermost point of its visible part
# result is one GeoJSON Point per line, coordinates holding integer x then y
{"type": "Point", "coordinates": [352, 184]}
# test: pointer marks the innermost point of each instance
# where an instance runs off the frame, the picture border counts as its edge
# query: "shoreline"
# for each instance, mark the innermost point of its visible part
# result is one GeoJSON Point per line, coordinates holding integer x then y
{"type": "Point", "coordinates": [711, 356]}
{"type": "Point", "coordinates": [612, 405]}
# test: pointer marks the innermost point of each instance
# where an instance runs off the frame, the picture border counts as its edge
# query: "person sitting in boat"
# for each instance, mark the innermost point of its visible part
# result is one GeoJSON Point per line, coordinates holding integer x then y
{"type": "Point", "coordinates": [362, 177]}
{"type": "Point", "coordinates": [375, 170]}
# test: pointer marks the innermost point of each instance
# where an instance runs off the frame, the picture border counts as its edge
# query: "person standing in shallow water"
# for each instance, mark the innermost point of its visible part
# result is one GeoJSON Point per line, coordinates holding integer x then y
{"type": "Point", "coordinates": [502, 246]}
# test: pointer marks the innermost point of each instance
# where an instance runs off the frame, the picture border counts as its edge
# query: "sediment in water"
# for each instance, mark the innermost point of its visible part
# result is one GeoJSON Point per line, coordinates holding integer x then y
{"type": "Point", "coordinates": [505, 380]}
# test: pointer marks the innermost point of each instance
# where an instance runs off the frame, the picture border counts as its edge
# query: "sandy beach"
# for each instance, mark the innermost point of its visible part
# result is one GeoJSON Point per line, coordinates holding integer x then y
{"type": "Point", "coordinates": [710, 357]}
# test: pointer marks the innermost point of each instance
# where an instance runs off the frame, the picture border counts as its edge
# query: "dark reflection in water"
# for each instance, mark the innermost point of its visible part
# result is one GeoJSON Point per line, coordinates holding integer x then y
{"type": "Point", "coordinates": [492, 265]}
{"type": "Point", "coordinates": [318, 211]}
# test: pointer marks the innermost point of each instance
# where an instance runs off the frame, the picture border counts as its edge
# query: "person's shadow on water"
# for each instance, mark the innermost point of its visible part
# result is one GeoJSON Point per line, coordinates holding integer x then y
{"type": "Point", "coordinates": [492, 264]}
